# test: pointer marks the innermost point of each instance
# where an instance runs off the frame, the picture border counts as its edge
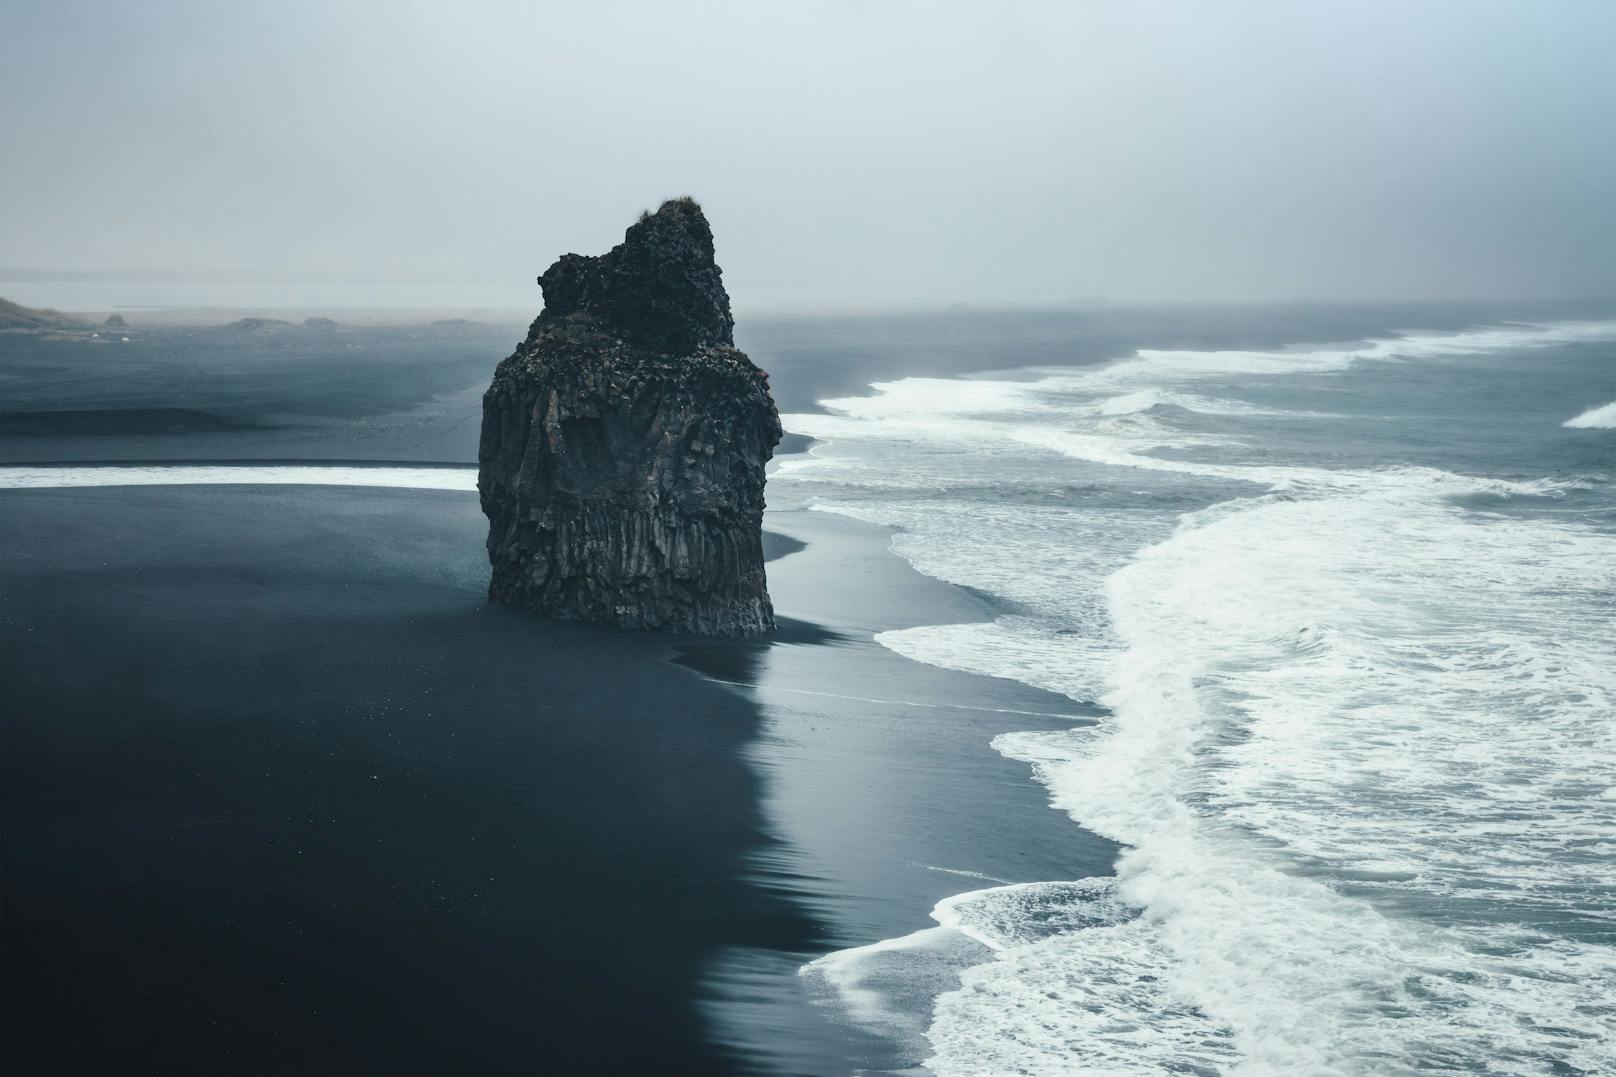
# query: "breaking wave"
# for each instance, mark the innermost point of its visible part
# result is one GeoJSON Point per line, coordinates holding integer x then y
{"type": "Point", "coordinates": [1359, 751]}
{"type": "Point", "coordinates": [1600, 418]}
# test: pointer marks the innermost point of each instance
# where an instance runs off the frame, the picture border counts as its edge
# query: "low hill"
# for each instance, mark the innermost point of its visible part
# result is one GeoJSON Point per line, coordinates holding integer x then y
{"type": "Point", "coordinates": [15, 316]}
{"type": "Point", "coordinates": [259, 325]}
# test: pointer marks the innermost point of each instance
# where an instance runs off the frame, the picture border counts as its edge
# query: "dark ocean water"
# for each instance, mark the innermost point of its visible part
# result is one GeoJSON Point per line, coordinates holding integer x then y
{"type": "Point", "coordinates": [1349, 606]}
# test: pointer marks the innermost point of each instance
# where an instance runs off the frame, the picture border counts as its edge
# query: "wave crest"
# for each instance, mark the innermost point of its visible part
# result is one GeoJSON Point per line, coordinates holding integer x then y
{"type": "Point", "coordinates": [1600, 418]}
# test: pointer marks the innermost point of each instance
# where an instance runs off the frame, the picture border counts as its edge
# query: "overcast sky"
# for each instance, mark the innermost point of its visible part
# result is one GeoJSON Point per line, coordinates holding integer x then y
{"type": "Point", "coordinates": [848, 154]}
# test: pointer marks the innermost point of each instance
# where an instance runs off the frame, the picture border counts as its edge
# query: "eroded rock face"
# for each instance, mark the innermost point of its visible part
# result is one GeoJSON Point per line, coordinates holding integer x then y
{"type": "Point", "coordinates": [623, 444]}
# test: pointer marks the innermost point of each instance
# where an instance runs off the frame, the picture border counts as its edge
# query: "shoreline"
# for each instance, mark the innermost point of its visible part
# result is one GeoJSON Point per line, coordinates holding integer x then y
{"type": "Point", "coordinates": [922, 803]}
{"type": "Point", "coordinates": [209, 679]}
{"type": "Point", "coordinates": [806, 882]}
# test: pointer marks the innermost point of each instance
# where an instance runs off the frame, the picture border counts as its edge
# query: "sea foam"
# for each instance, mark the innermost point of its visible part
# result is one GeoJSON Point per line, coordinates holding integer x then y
{"type": "Point", "coordinates": [1359, 748]}
{"type": "Point", "coordinates": [1600, 418]}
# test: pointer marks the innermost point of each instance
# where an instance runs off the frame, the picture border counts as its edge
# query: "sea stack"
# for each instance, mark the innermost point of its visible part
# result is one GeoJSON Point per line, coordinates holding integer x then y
{"type": "Point", "coordinates": [623, 443]}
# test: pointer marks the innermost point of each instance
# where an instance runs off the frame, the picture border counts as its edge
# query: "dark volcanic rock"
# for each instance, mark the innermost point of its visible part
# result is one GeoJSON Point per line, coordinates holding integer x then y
{"type": "Point", "coordinates": [623, 444]}
{"type": "Point", "coordinates": [115, 321]}
{"type": "Point", "coordinates": [14, 317]}
{"type": "Point", "coordinates": [258, 325]}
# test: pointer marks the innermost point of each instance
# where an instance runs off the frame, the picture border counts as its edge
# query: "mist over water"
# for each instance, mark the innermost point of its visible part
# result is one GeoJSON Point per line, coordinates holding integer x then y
{"type": "Point", "coordinates": [850, 155]}
{"type": "Point", "coordinates": [1359, 749]}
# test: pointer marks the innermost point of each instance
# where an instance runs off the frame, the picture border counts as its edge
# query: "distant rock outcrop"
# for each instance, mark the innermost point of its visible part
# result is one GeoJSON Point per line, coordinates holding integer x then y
{"type": "Point", "coordinates": [14, 317]}
{"type": "Point", "coordinates": [115, 321]}
{"type": "Point", "coordinates": [319, 323]}
{"type": "Point", "coordinates": [258, 325]}
{"type": "Point", "coordinates": [623, 444]}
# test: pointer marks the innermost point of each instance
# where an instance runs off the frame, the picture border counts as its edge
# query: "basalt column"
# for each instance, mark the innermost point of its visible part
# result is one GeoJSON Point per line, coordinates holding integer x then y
{"type": "Point", "coordinates": [623, 444]}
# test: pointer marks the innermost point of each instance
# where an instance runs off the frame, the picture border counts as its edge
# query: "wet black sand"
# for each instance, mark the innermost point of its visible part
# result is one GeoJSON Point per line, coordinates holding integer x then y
{"type": "Point", "coordinates": [283, 794]}
{"type": "Point", "coordinates": [879, 784]}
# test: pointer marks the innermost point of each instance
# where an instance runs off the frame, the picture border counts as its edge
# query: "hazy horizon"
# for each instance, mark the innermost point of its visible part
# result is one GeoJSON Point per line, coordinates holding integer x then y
{"type": "Point", "coordinates": [850, 156]}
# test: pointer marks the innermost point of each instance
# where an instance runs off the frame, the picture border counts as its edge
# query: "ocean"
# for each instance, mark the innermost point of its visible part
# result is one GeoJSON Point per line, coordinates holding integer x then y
{"type": "Point", "coordinates": [1347, 608]}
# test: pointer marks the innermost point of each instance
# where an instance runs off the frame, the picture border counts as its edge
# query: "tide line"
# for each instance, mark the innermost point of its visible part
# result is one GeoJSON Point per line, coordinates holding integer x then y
{"type": "Point", "coordinates": [1083, 718]}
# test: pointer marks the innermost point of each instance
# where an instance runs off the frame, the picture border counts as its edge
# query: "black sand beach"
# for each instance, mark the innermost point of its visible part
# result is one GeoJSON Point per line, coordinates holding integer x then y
{"type": "Point", "coordinates": [879, 784]}
{"type": "Point", "coordinates": [283, 793]}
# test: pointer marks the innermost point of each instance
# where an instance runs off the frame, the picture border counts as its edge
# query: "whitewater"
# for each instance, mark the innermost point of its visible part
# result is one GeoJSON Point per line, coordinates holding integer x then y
{"type": "Point", "coordinates": [1349, 608]}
